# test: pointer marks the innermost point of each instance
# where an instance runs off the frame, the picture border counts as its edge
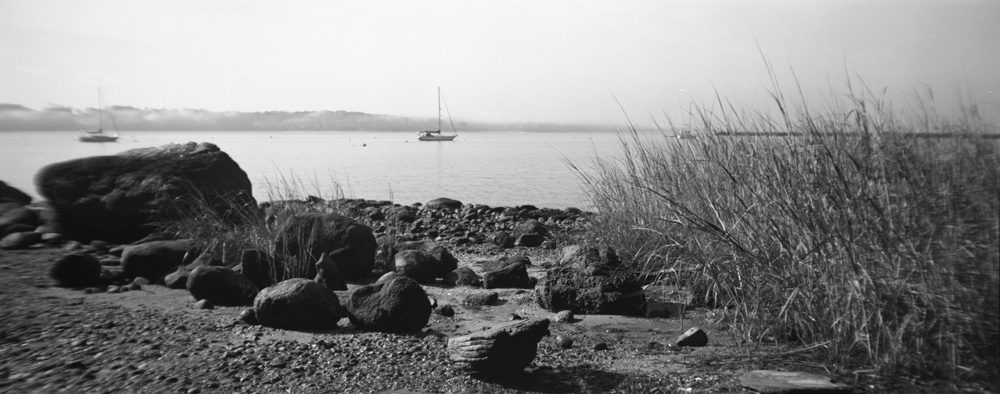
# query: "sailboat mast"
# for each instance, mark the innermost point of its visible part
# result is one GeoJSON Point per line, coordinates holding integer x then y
{"type": "Point", "coordinates": [439, 109]}
{"type": "Point", "coordinates": [100, 111]}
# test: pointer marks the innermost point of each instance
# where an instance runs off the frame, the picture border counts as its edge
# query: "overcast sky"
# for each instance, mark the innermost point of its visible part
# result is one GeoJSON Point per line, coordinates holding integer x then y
{"type": "Point", "coordinates": [538, 61]}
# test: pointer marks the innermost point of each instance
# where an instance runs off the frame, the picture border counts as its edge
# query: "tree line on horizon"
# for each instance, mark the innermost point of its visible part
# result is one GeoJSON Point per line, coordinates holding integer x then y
{"type": "Point", "coordinates": [14, 117]}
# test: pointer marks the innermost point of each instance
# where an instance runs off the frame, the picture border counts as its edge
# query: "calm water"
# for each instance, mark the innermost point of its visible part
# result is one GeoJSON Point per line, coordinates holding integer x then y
{"type": "Point", "coordinates": [493, 168]}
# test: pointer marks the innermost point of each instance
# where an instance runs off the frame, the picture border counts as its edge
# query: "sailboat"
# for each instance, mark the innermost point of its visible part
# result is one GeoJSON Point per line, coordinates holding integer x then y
{"type": "Point", "coordinates": [435, 135]}
{"type": "Point", "coordinates": [98, 135]}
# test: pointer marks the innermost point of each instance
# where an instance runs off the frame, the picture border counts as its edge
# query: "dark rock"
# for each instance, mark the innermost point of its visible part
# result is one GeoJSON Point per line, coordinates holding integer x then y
{"type": "Point", "coordinates": [249, 316]}
{"type": "Point", "coordinates": [565, 316]}
{"type": "Point", "coordinates": [529, 240]}
{"type": "Point", "coordinates": [398, 305]}
{"type": "Point", "coordinates": [590, 260]}
{"type": "Point", "coordinates": [693, 337]}
{"type": "Point", "coordinates": [204, 304]}
{"type": "Point", "coordinates": [21, 240]}
{"type": "Point", "coordinates": [76, 270]}
{"type": "Point", "coordinates": [115, 198]}
{"type": "Point", "coordinates": [481, 299]}
{"type": "Point", "coordinates": [15, 228]}
{"type": "Point", "coordinates": [317, 233]}
{"type": "Point", "coordinates": [501, 351]}
{"type": "Point", "coordinates": [10, 194]}
{"type": "Point", "coordinates": [262, 270]}
{"type": "Point", "coordinates": [513, 276]}
{"type": "Point", "coordinates": [298, 304]}
{"type": "Point", "coordinates": [221, 286]}
{"type": "Point", "coordinates": [71, 246]}
{"type": "Point", "coordinates": [387, 276]}
{"type": "Point", "coordinates": [417, 265]}
{"type": "Point", "coordinates": [447, 262]}
{"type": "Point", "coordinates": [153, 260]}
{"type": "Point", "coordinates": [564, 341]}
{"type": "Point", "coordinates": [505, 261]}
{"type": "Point", "coordinates": [54, 239]}
{"type": "Point", "coordinates": [443, 202]}
{"type": "Point", "coordinates": [446, 311]}
{"type": "Point", "coordinates": [111, 262]}
{"type": "Point", "coordinates": [18, 215]}
{"type": "Point", "coordinates": [402, 214]}
{"type": "Point", "coordinates": [463, 276]}
{"type": "Point", "coordinates": [112, 275]}
{"type": "Point", "coordinates": [327, 271]}
{"type": "Point", "coordinates": [566, 288]}
{"type": "Point", "coordinates": [529, 227]}
{"type": "Point", "coordinates": [601, 346]}
{"type": "Point", "coordinates": [177, 279]}
{"type": "Point", "coordinates": [99, 245]}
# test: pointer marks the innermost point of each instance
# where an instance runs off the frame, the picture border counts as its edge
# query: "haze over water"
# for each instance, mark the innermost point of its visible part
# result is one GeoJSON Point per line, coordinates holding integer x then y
{"type": "Point", "coordinates": [510, 61]}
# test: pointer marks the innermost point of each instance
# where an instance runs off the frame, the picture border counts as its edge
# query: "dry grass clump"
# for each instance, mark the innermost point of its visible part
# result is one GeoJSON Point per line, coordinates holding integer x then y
{"type": "Point", "coordinates": [847, 230]}
{"type": "Point", "coordinates": [255, 228]}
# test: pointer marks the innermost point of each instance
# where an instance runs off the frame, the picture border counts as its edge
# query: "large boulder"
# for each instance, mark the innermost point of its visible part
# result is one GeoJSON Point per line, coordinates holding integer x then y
{"type": "Point", "coordinates": [446, 261]}
{"type": "Point", "coordinates": [614, 294]}
{"type": "Point", "coordinates": [589, 279]}
{"type": "Point", "coordinates": [309, 235]}
{"type": "Point", "coordinates": [443, 202]}
{"type": "Point", "coordinates": [396, 305]}
{"type": "Point", "coordinates": [297, 304]}
{"type": "Point", "coordinates": [116, 198]}
{"type": "Point", "coordinates": [417, 265]}
{"type": "Point", "coordinates": [76, 270]}
{"type": "Point", "coordinates": [153, 260]}
{"type": "Point", "coordinates": [501, 351]}
{"type": "Point", "coordinates": [12, 194]}
{"type": "Point", "coordinates": [220, 286]}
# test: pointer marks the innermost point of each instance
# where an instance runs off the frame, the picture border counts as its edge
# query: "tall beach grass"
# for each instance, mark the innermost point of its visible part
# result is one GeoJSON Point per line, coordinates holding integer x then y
{"type": "Point", "coordinates": [842, 229]}
{"type": "Point", "coordinates": [262, 229]}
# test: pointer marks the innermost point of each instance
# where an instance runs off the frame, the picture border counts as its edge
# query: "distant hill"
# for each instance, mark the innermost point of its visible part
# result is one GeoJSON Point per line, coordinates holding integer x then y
{"type": "Point", "coordinates": [15, 117]}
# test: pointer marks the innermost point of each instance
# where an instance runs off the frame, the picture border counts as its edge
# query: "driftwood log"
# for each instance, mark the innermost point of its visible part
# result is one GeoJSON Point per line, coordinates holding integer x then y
{"type": "Point", "coordinates": [500, 351]}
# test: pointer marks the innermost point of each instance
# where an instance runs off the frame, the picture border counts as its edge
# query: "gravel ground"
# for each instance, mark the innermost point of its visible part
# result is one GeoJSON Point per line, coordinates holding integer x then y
{"type": "Point", "coordinates": [153, 340]}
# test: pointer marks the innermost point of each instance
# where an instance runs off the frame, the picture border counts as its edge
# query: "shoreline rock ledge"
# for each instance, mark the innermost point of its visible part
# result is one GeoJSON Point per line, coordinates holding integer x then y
{"type": "Point", "coordinates": [501, 351]}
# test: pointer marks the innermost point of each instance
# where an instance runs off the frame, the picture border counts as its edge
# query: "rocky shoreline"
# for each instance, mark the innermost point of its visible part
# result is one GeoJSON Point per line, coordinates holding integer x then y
{"type": "Point", "coordinates": [345, 295]}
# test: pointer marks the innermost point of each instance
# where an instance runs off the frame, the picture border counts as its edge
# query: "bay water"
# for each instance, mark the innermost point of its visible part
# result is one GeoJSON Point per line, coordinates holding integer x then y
{"type": "Point", "coordinates": [497, 168]}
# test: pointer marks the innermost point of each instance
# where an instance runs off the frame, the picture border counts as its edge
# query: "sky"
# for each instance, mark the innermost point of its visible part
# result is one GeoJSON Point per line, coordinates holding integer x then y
{"type": "Point", "coordinates": [512, 61]}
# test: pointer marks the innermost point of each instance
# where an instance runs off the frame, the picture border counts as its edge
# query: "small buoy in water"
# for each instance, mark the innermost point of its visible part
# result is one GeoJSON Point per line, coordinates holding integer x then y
{"type": "Point", "coordinates": [364, 144]}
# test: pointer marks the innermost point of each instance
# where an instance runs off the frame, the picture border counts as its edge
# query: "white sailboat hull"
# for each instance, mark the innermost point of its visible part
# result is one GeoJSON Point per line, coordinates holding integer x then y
{"type": "Point", "coordinates": [98, 138]}
{"type": "Point", "coordinates": [431, 137]}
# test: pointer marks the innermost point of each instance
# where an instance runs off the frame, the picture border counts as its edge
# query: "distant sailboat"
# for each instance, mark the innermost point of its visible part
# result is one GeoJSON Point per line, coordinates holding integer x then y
{"type": "Point", "coordinates": [435, 135]}
{"type": "Point", "coordinates": [98, 135]}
